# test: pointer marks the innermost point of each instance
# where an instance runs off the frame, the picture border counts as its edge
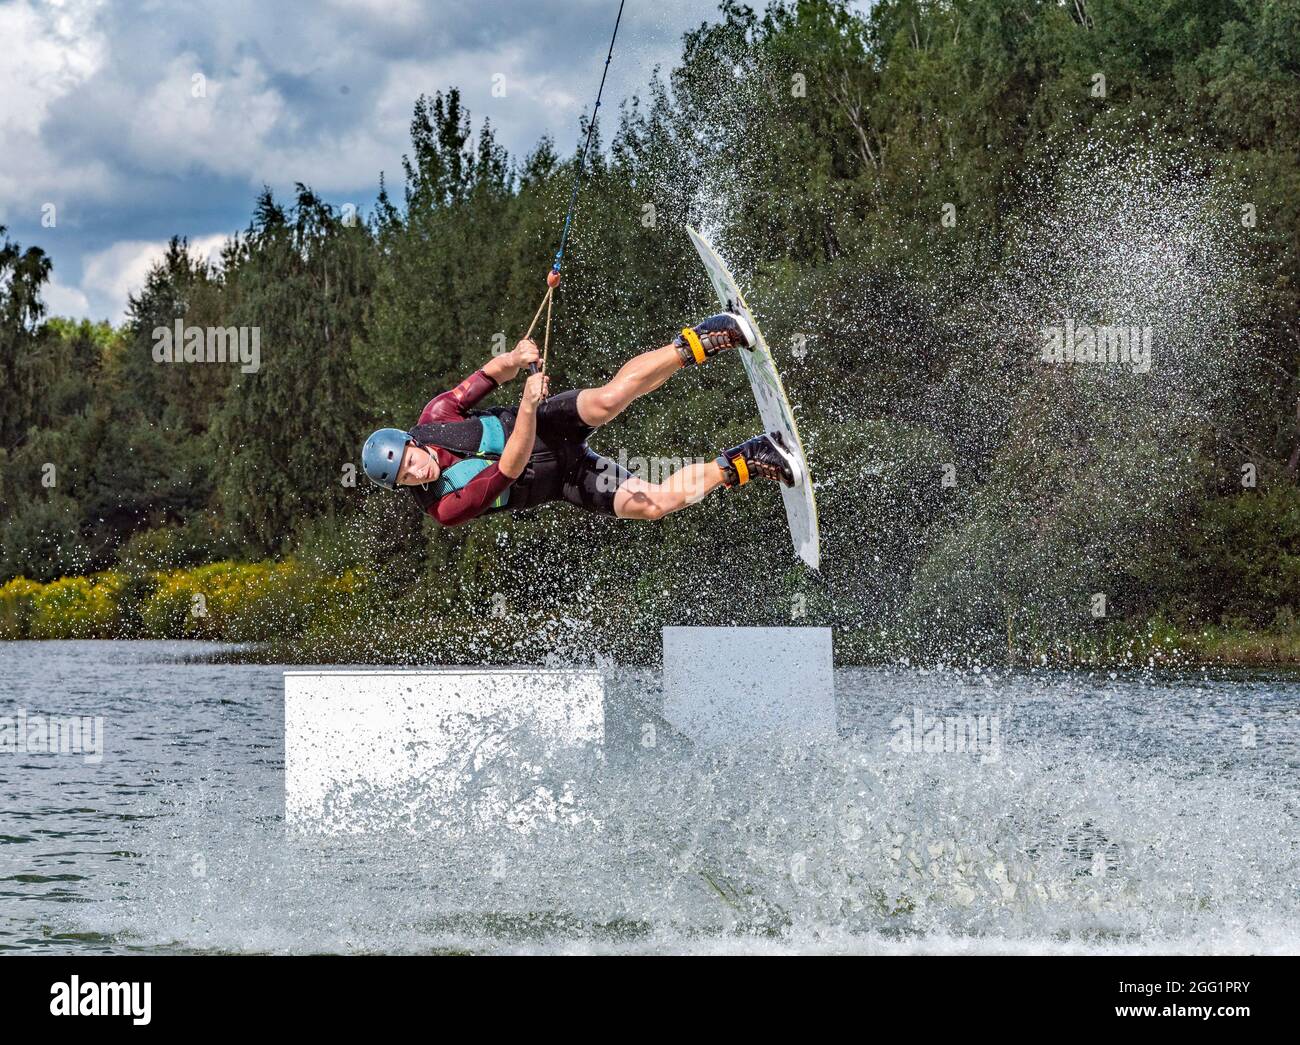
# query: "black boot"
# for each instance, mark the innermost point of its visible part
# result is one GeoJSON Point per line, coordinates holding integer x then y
{"type": "Point", "coordinates": [764, 455]}
{"type": "Point", "coordinates": [713, 335]}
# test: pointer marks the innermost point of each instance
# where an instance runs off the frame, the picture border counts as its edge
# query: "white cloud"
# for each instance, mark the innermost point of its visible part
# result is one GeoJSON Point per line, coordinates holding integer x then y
{"type": "Point", "coordinates": [98, 114]}
{"type": "Point", "coordinates": [99, 101]}
{"type": "Point", "coordinates": [224, 131]}
{"type": "Point", "coordinates": [48, 54]}
{"type": "Point", "coordinates": [61, 300]}
{"type": "Point", "coordinates": [109, 276]}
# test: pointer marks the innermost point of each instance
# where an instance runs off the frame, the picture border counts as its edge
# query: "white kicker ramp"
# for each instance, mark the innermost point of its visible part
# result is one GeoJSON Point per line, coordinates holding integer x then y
{"type": "Point", "coordinates": [734, 685]}
{"type": "Point", "coordinates": [470, 747]}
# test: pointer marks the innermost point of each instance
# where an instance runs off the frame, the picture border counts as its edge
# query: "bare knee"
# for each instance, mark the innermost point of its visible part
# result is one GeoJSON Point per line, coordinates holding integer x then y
{"type": "Point", "coordinates": [637, 499]}
{"type": "Point", "coordinates": [645, 508]}
{"type": "Point", "coordinates": [654, 509]}
{"type": "Point", "coordinates": [598, 405]}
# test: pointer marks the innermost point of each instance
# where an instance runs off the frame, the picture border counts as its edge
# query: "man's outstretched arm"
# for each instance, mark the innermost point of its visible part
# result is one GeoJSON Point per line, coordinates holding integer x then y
{"type": "Point", "coordinates": [451, 405]}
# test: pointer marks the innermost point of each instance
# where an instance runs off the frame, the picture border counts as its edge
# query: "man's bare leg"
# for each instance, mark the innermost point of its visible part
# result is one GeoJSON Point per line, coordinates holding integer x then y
{"type": "Point", "coordinates": [649, 370]}
{"type": "Point", "coordinates": [638, 499]}
{"type": "Point", "coordinates": [639, 375]}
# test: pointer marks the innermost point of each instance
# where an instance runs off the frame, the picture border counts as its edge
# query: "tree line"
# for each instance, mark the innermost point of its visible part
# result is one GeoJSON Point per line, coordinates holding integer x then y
{"type": "Point", "coordinates": [912, 197]}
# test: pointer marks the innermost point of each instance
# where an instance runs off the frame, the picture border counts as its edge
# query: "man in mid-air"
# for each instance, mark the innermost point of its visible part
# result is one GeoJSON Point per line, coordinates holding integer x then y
{"type": "Point", "coordinates": [460, 463]}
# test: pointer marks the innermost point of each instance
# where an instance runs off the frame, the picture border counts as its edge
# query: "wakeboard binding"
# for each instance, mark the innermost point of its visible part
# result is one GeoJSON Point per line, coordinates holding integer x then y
{"type": "Point", "coordinates": [766, 456]}
{"type": "Point", "coordinates": [710, 336]}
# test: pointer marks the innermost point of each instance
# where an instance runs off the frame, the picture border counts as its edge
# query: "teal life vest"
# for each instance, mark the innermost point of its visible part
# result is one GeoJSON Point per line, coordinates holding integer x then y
{"type": "Point", "coordinates": [491, 445]}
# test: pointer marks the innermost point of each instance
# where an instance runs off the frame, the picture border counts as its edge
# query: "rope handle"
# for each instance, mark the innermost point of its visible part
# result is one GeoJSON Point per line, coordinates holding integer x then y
{"type": "Point", "coordinates": [546, 338]}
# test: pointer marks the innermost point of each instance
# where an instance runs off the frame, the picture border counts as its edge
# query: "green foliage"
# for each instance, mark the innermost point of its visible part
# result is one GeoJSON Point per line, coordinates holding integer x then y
{"type": "Point", "coordinates": [285, 433]}
{"type": "Point", "coordinates": [43, 540]}
{"type": "Point", "coordinates": [201, 539]}
{"type": "Point", "coordinates": [1242, 555]}
{"type": "Point", "coordinates": [22, 273]}
{"type": "Point", "coordinates": [821, 148]}
{"type": "Point", "coordinates": [17, 601]}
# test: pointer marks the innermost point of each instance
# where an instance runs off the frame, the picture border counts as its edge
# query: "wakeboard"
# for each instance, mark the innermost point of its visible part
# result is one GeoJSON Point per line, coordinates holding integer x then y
{"type": "Point", "coordinates": [773, 406]}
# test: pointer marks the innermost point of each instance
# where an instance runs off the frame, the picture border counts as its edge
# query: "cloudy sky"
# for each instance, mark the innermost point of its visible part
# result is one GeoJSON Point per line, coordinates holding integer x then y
{"type": "Point", "coordinates": [105, 128]}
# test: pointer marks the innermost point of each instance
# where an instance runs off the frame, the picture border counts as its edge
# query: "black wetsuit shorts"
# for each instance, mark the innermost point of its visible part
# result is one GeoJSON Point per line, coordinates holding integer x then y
{"type": "Point", "coordinates": [563, 467]}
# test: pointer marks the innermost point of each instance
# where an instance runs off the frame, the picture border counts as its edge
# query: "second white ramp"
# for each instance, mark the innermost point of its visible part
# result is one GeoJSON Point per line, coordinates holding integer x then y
{"type": "Point", "coordinates": [733, 685]}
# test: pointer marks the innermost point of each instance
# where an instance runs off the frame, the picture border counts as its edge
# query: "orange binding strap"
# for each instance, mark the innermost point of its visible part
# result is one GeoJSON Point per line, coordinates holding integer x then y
{"type": "Point", "coordinates": [742, 470]}
{"type": "Point", "coordinates": [693, 339]}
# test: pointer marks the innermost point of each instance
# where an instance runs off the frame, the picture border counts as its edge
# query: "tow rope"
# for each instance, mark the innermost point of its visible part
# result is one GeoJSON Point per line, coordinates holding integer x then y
{"type": "Point", "coordinates": [553, 277]}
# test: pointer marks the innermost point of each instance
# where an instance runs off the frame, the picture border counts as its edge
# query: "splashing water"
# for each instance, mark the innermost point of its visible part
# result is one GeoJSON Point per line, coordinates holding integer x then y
{"type": "Point", "coordinates": [1113, 813]}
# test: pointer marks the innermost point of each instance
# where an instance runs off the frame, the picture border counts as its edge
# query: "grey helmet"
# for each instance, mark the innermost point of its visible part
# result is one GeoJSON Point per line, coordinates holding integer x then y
{"type": "Point", "coordinates": [381, 457]}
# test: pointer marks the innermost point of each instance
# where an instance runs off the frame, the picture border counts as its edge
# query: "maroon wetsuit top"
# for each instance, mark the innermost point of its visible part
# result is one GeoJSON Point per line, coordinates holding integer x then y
{"type": "Point", "coordinates": [469, 502]}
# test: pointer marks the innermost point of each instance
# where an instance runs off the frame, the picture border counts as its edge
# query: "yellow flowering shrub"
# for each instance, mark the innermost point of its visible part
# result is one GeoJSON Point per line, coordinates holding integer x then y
{"type": "Point", "coordinates": [242, 602]}
{"type": "Point", "coordinates": [226, 601]}
{"type": "Point", "coordinates": [17, 599]}
{"type": "Point", "coordinates": [76, 608]}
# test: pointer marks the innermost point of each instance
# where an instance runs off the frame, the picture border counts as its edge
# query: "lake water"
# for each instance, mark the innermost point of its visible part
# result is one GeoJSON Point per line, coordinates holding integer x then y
{"type": "Point", "coordinates": [1114, 813]}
